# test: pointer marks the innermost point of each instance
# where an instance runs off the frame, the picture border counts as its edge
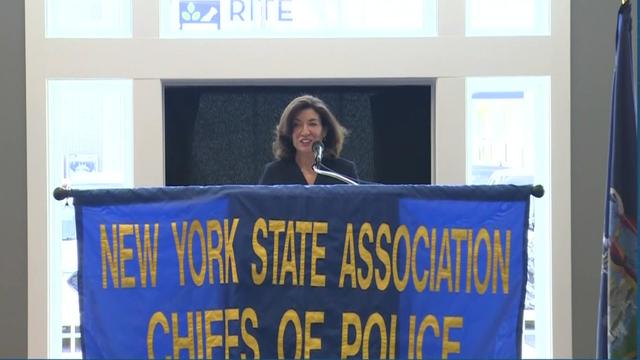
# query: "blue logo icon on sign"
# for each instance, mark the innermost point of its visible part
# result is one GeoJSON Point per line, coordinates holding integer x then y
{"type": "Point", "coordinates": [200, 12]}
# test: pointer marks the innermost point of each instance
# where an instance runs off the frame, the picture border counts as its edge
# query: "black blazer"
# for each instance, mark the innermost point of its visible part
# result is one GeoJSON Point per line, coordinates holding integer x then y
{"type": "Point", "coordinates": [286, 171]}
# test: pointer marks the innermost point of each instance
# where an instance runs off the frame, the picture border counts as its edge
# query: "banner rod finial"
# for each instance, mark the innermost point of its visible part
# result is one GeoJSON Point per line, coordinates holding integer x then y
{"type": "Point", "coordinates": [61, 193]}
{"type": "Point", "coordinates": [537, 191]}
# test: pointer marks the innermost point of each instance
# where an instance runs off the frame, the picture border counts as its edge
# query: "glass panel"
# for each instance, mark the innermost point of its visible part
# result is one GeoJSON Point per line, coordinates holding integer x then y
{"type": "Point", "coordinates": [507, 17]}
{"type": "Point", "coordinates": [66, 345]}
{"type": "Point", "coordinates": [90, 146]}
{"type": "Point", "coordinates": [296, 18]}
{"type": "Point", "coordinates": [508, 143]}
{"type": "Point", "coordinates": [88, 19]}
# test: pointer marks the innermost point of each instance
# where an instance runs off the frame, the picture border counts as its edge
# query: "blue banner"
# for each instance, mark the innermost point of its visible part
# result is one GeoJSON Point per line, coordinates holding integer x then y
{"type": "Point", "coordinates": [298, 271]}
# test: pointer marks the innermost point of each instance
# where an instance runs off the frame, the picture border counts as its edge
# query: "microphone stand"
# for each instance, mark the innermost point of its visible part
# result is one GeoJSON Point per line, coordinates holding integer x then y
{"type": "Point", "coordinates": [334, 175]}
{"type": "Point", "coordinates": [318, 149]}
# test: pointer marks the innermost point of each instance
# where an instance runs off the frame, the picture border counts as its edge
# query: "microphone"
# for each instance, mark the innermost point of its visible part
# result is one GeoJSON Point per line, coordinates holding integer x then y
{"type": "Point", "coordinates": [318, 148]}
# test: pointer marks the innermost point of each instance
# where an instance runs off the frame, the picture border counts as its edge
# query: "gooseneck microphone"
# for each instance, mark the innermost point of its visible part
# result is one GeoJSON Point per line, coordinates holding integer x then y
{"type": "Point", "coordinates": [318, 149]}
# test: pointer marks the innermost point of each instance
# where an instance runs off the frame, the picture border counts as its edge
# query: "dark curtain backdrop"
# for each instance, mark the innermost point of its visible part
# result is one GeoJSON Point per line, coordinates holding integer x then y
{"type": "Point", "coordinates": [218, 135]}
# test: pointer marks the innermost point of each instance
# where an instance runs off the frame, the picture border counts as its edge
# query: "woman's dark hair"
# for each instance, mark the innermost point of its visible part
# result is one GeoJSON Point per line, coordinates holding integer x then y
{"type": "Point", "coordinates": [335, 133]}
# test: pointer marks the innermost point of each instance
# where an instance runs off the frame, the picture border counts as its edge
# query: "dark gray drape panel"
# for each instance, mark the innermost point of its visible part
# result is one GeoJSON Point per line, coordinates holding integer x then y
{"type": "Point", "coordinates": [223, 134]}
{"type": "Point", "coordinates": [181, 108]}
{"type": "Point", "coordinates": [400, 133]}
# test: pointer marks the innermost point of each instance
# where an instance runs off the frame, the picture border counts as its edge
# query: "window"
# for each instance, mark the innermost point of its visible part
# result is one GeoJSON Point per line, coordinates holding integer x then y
{"type": "Point", "coordinates": [88, 19]}
{"type": "Point", "coordinates": [91, 144]}
{"type": "Point", "coordinates": [507, 17]}
{"type": "Point", "coordinates": [508, 143]}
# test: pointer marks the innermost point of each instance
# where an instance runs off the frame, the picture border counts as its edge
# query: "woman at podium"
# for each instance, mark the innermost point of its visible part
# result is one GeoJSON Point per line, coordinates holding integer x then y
{"type": "Point", "coordinates": [307, 133]}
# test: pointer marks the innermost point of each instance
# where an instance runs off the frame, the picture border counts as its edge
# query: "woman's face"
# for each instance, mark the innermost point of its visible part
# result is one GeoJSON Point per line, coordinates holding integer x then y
{"type": "Point", "coordinates": [307, 129]}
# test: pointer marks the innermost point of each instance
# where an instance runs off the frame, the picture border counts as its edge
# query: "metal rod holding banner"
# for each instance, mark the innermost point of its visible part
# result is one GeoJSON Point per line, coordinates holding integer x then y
{"type": "Point", "coordinates": [61, 193]}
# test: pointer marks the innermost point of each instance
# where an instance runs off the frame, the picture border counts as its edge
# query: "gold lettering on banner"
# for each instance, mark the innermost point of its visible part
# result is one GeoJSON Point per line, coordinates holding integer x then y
{"type": "Point", "coordinates": [429, 321]}
{"type": "Point", "coordinates": [289, 265]}
{"type": "Point", "coordinates": [196, 229]}
{"type": "Point", "coordinates": [199, 334]}
{"type": "Point", "coordinates": [147, 254]}
{"type": "Point", "coordinates": [108, 256]}
{"type": "Point", "coordinates": [211, 341]}
{"type": "Point", "coordinates": [276, 227]}
{"type": "Point", "coordinates": [183, 342]}
{"type": "Point", "coordinates": [444, 262]}
{"type": "Point", "coordinates": [258, 277]}
{"type": "Point", "coordinates": [230, 341]}
{"type": "Point", "coordinates": [364, 281]}
{"type": "Point", "coordinates": [249, 315]}
{"type": "Point", "coordinates": [118, 257]}
{"type": "Point", "coordinates": [501, 262]}
{"type": "Point", "coordinates": [357, 342]}
{"type": "Point", "coordinates": [470, 258]}
{"type": "Point", "coordinates": [289, 256]}
{"type": "Point", "coordinates": [348, 266]}
{"type": "Point", "coordinates": [374, 320]}
{"type": "Point", "coordinates": [126, 254]}
{"type": "Point", "coordinates": [312, 343]}
{"type": "Point", "coordinates": [401, 233]}
{"type": "Point", "coordinates": [450, 347]}
{"type": "Point", "coordinates": [229, 253]}
{"type": "Point", "coordinates": [317, 253]}
{"type": "Point", "coordinates": [290, 316]}
{"type": "Point", "coordinates": [303, 228]}
{"type": "Point", "coordinates": [214, 253]}
{"type": "Point", "coordinates": [382, 282]}
{"type": "Point", "coordinates": [392, 336]}
{"type": "Point", "coordinates": [199, 340]}
{"type": "Point", "coordinates": [412, 337]}
{"type": "Point", "coordinates": [157, 318]}
{"type": "Point", "coordinates": [419, 283]}
{"type": "Point", "coordinates": [458, 236]}
{"type": "Point", "coordinates": [432, 269]}
{"type": "Point", "coordinates": [350, 320]}
{"type": "Point", "coordinates": [180, 242]}
{"type": "Point", "coordinates": [482, 237]}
